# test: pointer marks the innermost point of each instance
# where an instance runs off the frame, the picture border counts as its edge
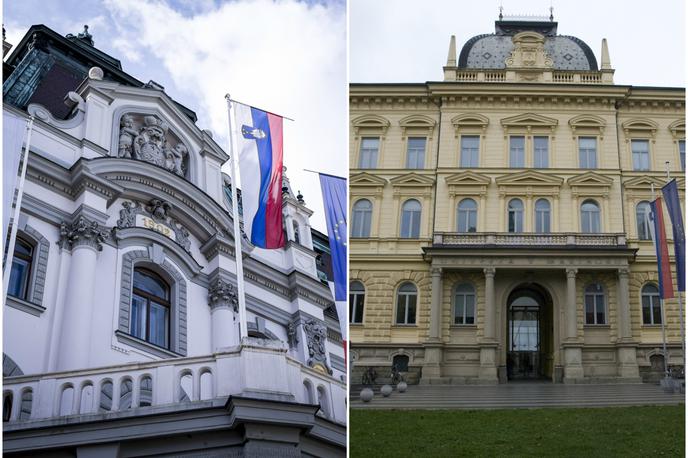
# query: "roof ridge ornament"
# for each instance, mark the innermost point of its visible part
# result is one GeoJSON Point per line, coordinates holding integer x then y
{"type": "Point", "coordinates": [84, 36]}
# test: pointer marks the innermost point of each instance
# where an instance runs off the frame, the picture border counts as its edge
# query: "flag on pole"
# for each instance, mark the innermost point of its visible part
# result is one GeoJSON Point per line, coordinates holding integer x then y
{"type": "Point", "coordinates": [334, 199]}
{"type": "Point", "coordinates": [666, 288]}
{"type": "Point", "coordinates": [259, 142]}
{"type": "Point", "coordinates": [673, 204]}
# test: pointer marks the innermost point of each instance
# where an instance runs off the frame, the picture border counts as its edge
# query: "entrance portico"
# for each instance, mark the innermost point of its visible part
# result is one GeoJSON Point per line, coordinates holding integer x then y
{"type": "Point", "coordinates": [540, 288]}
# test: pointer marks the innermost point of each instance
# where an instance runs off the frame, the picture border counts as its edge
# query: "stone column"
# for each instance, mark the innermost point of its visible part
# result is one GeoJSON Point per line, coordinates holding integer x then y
{"type": "Point", "coordinates": [573, 353]}
{"type": "Point", "coordinates": [488, 347]}
{"type": "Point", "coordinates": [489, 303]}
{"type": "Point", "coordinates": [626, 348]}
{"type": "Point", "coordinates": [84, 238]}
{"type": "Point", "coordinates": [223, 302]}
{"type": "Point", "coordinates": [436, 305]}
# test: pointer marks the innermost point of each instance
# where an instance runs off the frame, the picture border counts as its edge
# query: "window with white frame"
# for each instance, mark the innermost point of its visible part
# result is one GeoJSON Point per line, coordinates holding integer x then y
{"type": "Point", "coordinates": [470, 151]}
{"type": "Point", "coordinates": [682, 153]}
{"type": "Point", "coordinates": [587, 152]}
{"type": "Point", "coordinates": [590, 217]}
{"type": "Point", "coordinates": [20, 274]}
{"type": "Point", "coordinates": [640, 151]}
{"type": "Point", "coordinates": [410, 219]}
{"type": "Point", "coordinates": [370, 146]}
{"type": "Point", "coordinates": [467, 216]}
{"type": "Point", "coordinates": [541, 152]}
{"type": "Point", "coordinates": [415, 153]}
{"type": "Point", "coordinates": [517, 151]}
{"type": "Point", "coordinates": [356, 301]}
{"type": "Point", "coordinates": [362, 215]}
{"type": "Point", "coordinates": [652, 308]}
{"type": "Point", "coordinates": [407, 297]}
{"type": "Point", "coordinates": [542, 216]}
{"type": "Point", "coordinates": [464, 304]}
{"type": "Point", "coordinates": [150, 308]}
{"type": "Point", "coordinates": [595, 307]}
{"type": "Point", "coordinates": [515, 215]}
{"type": "Point", "coordinates": [642, 210]}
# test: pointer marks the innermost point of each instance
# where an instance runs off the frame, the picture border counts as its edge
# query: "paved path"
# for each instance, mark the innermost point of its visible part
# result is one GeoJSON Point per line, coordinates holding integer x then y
{"type": "Point", "coordinates": [518, 395]}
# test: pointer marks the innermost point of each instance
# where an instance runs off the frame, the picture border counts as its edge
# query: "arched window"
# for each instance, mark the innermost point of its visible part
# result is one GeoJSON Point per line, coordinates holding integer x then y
{"type": "Point", "coordinates": [542, 216]}
{"type": "Point", "coordinates": [464, 304]}
{"type": "Point", "coordinates": [410, 219]}
{"type": "Point", "coordinates": [7, 406]}
{"type": "Point", "coordinates": [595, 309]}
{"type": "Point", "coordinates": [515, 215]}
{"type": "Point", "coordinates": [642, 221]}
{"type": "Point", "coordinates": [652, 308]}
{"type": "Point", "coordinates": [356, 301]}
{"type": "Point", "coordinates": [362, 215]}
{"type": "Point", "coordinates": [467, 216]}
{"type": "Point", "coordinates": [407, 297]}
{"type": "Point", "coordinates": [21, 269]}
{"type": "Point", "coordinates": [590, 217]}
{"type": "Point", "coordinates": [150, 308]}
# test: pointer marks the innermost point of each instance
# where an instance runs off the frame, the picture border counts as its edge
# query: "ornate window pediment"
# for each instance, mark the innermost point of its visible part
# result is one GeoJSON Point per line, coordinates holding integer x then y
{"type": "Point", "coordinates": [414, 180]}
{"type": "Point", "coordinates": [644, 183]}
{"type": "Point", "coordinates": [587, 125]}
{"type": "Point", "coordinates": [149, 138]}
{"type": "Point", "coordinates": [154, 216]}
{"type": "Point", "coordinates": [365, 179]}
{"type": "Point", "coordinates": [590, 183]}
{"type": "Point", "coordinates": [467, 183]}
{"type": "Point", "coordinates": [529, 182]}
{"type": "Point", "coordinates": [678, 129]}
{"type": "Point", "coordinates": [644, 128]}
{"type": "Point", "coordinates": [528, 122]}
{"type": "Point", "coordinates": [370, 125]}
{"type": "Point", "coordinates": [419, 125]}
{"type": "Point", "coordinates": [470, 123]}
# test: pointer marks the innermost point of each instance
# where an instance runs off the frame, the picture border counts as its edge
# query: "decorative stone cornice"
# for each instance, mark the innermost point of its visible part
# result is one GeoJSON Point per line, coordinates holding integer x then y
{"type": "Point", "coordinates": [82, 232]}
{"type": "Point", "coordinates": [222, 294]}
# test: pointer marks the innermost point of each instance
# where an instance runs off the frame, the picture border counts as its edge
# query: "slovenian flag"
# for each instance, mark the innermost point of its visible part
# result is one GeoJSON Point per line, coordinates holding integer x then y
{"type": "Point", "coordinates": [259, 142]}
{"type": "Point", "coordinates": [666, 287]}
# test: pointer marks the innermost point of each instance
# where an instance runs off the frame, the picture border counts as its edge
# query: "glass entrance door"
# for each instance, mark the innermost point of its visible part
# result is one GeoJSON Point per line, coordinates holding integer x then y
{"type": "Point", "coordinates": [524, 342]}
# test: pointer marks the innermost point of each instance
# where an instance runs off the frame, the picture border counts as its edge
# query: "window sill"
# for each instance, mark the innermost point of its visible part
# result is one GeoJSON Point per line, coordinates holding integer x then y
{"type": "Point", "coordinates": [356, 325]}
{"type": "Point", "coordinates": [652, 326]}
{"type": "Point", "coordinates": [24, 306]}
{"type": "Point", "coordinates": [597, 326]}
{"type": "Point", "coordinates": [401, 325]}
{"type": "Point", "coordinates": [463, 326]}
{"type": "Point", "coordinates": [148, 347]}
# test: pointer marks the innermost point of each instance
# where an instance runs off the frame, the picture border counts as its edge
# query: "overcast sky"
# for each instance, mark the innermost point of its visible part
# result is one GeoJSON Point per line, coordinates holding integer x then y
{"type": "Point", "coordinates": [407, 41]}
{"type": "Point", "coordinates": [287, 57]}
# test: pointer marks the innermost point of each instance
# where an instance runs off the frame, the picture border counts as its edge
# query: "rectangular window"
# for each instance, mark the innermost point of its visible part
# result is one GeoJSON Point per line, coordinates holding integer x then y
{"type": "Point", "coordinates": [415, 153]}
{"type": "Point", "coordinates": [541, 152]}
{"type": "Point", "coordinates": [517, 155]}
{"type": "Point", "coordinates": [406, 309]}
{"type": "Point", "coordinates": [470, 150]}
{"type": "Point", "coordinates": [356, 307]}
{"type": "Point", "coordinates": [682, 153]}
{"type": "Point", "coordinates": [640, 150]}
{"type": "Point", "coordinates": [369, 149]}
{"type": "Point", "coordinates": [594, 309]}
{"type": "Point", "coordinates": [587, 152]}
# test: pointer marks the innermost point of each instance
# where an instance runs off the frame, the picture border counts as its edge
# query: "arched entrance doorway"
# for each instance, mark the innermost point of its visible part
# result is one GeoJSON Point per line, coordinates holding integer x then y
{"type": "Point", "coordinates": [529, 333]}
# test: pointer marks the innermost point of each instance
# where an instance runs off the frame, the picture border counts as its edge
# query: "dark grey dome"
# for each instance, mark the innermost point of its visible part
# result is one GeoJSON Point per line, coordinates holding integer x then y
{"type": "Point", "coordinates": [490, 51]}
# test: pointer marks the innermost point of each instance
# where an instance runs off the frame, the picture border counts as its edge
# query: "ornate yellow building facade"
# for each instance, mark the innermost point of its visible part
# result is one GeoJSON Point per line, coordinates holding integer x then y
{"type": "Point", "coordinates": [497, 217]}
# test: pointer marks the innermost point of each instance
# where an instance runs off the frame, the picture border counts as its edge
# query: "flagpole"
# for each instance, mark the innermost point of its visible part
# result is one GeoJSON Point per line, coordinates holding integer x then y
{"type": "Point", "coordinates": [680, 297]}
{"type": "Point", "coordinates": [243, 331]}
{"type": "Point", "coordinates": [661, 301]}
{"type": "Point", "coordinates": [15, 217]}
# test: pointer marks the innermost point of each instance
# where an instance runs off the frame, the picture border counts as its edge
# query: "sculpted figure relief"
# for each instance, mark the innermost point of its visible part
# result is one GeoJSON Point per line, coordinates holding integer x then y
{"type": "Point", "coordinates": [149, 139]}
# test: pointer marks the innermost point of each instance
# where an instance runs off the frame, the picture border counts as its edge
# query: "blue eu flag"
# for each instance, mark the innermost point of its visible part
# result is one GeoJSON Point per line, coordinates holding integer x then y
{"type": "Point", "coordinates": [334, 197]}
{"type": "Point", "coordinates": [673, 203]}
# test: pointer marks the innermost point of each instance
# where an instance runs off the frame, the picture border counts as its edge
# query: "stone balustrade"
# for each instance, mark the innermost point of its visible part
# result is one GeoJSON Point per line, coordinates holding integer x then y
{"type": "Point", "coordinates": [547, 76]}
{"type": "Point", "coordinates": [174, 382]}
{"type": "Point", "coordinates": [563, 239]}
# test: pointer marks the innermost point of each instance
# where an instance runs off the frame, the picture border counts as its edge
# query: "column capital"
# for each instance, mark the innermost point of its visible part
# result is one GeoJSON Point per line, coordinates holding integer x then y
{"type": "Point", "coordinates": [624, 272]}
{"type": "Point", "coordinates": [489, 271]}
{"type": "Point", "coordinates": [571, 272]}
{"type": "Point", "coordinates": [222, 294]}
{"type": "Point", "coordinates": [82, 232]}
{"type": "Point", "coordinates": [436, 271]}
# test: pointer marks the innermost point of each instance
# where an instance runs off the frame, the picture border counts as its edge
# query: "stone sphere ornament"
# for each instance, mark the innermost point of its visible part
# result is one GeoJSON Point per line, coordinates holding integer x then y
{"type": "Point", "coordinates": [366, 395]}
{"type": "Point", "coordinates": [401, 387]}
{"type": "Point", "coordinates": [386, 390]}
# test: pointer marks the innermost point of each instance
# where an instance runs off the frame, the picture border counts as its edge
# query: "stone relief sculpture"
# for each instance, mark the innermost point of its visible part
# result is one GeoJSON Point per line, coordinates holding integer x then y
{"type": "Point", "coordinates": [222, 294]}
{"type": "Point", "coordinates": [148, 138]}
{"type": "Point", "coordinates": [292, 335]}
{"type": "Point", "coordinates": [157, 210]}
{"type": "Point", "coordinates": [316, 335]}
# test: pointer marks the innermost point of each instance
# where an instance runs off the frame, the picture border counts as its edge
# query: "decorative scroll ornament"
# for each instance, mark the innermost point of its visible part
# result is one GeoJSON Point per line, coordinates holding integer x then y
{"type": "Point", "coordinates": [221, 294]}
{"type": "Point", "coordinates": [157, 210]}
{"type": "Point", "coordinates": [316, 336]}
{"type": "Point", "coordinates": [82, 232]}
{"type": "Point", "coordinates": [147, 138]}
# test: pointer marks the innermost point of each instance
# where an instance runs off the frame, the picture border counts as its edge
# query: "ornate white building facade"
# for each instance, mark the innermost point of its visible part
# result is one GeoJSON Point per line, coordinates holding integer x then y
{"type": "Point", "coordinates": [121, 333]}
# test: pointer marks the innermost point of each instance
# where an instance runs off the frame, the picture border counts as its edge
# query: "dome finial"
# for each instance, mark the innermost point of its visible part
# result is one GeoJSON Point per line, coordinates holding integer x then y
{"type": "Point", "coordinates": [501, 9]}
{"type": "Point", "coordinates": [606, 61]}
{"type": "Point", "coordinates": [551, 13]}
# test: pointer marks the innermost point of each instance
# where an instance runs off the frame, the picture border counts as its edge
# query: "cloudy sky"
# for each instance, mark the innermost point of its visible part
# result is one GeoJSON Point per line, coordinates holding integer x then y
{"type": "Point", "coordinates": [409, 42]}
{"type": "Point", "coordinates": [288, 57]}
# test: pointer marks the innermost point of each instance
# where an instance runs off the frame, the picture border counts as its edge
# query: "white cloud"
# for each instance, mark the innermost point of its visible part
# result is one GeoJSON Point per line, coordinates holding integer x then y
{"type": "Point", "coordinates": [287, 57]}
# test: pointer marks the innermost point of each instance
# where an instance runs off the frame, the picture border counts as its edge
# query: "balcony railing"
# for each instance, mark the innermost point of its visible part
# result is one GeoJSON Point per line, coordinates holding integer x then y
{"type": "Point", "coordinates": [562, 239]}
{"type": "Point", "coordinates": [556, 76]}
{"type": "Point", "coordinates": [238, 371]}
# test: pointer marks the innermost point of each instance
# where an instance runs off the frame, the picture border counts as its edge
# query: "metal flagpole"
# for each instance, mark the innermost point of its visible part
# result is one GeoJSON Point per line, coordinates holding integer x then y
{"type": "Point", "coordinates": [661, 301]}
{"type": "Point", "coordinates": [17, 209]}
{"type": "Point", "coordinates": [243, 331]}
{"type": "Point", "coordinates": [680, 299]}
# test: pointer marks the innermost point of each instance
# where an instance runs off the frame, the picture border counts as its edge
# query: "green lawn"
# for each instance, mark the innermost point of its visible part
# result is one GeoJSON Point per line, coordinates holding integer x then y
{"type": "Point", "coordinates": [598, 433]}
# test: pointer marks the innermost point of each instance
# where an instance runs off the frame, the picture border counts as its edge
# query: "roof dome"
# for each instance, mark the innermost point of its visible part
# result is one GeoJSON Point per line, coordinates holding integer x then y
{"type": "Point", "coordinates": [490, 51]}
